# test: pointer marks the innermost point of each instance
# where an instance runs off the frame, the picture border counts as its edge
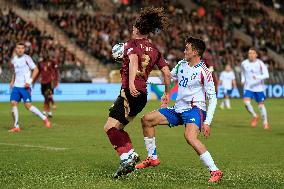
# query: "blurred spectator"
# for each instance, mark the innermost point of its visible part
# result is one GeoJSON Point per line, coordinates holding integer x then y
{"type": "Point", "coordinates": [14, 29]}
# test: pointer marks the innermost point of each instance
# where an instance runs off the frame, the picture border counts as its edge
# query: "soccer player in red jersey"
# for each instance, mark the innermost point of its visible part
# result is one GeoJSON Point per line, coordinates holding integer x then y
{"type": "Point", "coordinates": [48, 70]}
{"type": "Point", "coordinates": [140, 57]}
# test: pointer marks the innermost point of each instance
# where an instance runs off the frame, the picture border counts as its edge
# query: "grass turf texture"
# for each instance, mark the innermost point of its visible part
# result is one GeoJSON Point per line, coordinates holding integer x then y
{"type": "Point", "coordinates": [249, 157]}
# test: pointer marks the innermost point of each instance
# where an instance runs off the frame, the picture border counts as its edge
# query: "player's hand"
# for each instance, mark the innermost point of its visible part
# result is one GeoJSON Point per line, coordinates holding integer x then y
{"type": "Point", "coordinates": [254, 77]}
{"type": "Point", "coordinates": [205, 130]}
{"type": "Point", "coordinates": [165, 100]}
{"type": "Point", "coordinates": [133, 90]}
{"type": "Point", "coordinates": [28, 83]}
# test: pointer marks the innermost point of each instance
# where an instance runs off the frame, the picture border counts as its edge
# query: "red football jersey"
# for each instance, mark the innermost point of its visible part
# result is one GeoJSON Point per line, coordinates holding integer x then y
{"type": "Point", "coordinates": [148, 57]}
{"type": "Point", "coordinates": [48, 71]}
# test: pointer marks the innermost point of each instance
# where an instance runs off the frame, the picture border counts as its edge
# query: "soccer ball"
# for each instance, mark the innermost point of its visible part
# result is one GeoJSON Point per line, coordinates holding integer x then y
{"type": "Point", "coordinates": [117, 51]}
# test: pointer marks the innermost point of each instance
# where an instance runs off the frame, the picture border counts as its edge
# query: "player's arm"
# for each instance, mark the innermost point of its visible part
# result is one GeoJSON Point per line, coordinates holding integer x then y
{"type": "Point", "coordinates": [12, 80]}
{"type": "Point", "coordinates": [34, 70]}
{"type": "Point", "coordinates": [37, 76]}
{"type": "Point", "coordinates": [167, 81]}
{"type": "Point", "coordinates": [133, 67]}
{"type": "Point", "coordinates": [11, 66]}
{"type": "Point", "coordinates": [212, 99]}
{"type": "Point", "coordinates": [57, 74]}
{"type": "Point", "coordinates": [234, 82]}
{"type": "Point", "coordinates": [264, 74]}
{"type": "Point", "coordinates": [35, 73]}
{"type": "Point", "coordinates": [243, 79]}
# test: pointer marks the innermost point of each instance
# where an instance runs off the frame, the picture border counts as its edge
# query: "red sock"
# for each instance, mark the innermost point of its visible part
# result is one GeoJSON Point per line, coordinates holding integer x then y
{"type": "Point", "coordinates": [46, 104]}
{"type": "Point", "coordinates": [127, 139]}
{"type": "Point", "coordinates": [120, 140]}
{"type": "Point", "coordinates": [51, 99]}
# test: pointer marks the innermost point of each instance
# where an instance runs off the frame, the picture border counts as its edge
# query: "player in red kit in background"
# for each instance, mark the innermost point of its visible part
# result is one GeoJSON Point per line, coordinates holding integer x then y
{"type": "Point", "coordinates": [140, 57]}
{"type": "Point", "coordinates": [48, 71]}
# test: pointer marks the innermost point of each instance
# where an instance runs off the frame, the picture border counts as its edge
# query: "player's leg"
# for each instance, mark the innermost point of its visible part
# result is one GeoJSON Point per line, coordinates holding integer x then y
{"type": "Point", "coordinates": [15, 98]}
{"type": "Point", "coordinates": [191, 136]}
{"type": "Point", "coordinates": [48, 94]}
{"type": "Point", "coordinates": [227, 99]}
{"type": "Point", "coordinates": [124, 109]}
{"type": "Point", "coordinates": [194, 120]}
{"type": "Point", "coordinates": [260, 97]}
{"type": "Point", "coordinates": [149, 121]}
{"type": "Point", "coordinates": [222, 105]}
{"type": "Point", "coordinates": [26, 94]}
{"type": "Point", "coordinates": [248, 95]}
{"type": "Point", "coordinates": [45, 102]}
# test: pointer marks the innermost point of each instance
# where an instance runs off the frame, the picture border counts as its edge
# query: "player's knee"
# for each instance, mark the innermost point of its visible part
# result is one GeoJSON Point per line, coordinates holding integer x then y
{"type": "Point", "coordinates": [14, 103]}
{"type": "Point", "coordinates": [146, 120]}
{"type": "Point", "coordinates": [247, 102]}
{"type": "Point", "coordinates": [260, 105]}
{"type": "Point", "coordinates": [191, 140]}
{"type": "Point", "coordinates": [28, 106]}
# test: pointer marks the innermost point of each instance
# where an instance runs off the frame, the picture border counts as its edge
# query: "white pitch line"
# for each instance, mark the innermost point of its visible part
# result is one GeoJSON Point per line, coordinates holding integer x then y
{"type": "Point", "coordinates": [32, 146]}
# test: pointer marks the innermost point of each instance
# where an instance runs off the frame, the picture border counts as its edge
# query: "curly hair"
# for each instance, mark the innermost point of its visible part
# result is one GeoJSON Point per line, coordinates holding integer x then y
{"type": "Point", "coordinates": [151, 20]}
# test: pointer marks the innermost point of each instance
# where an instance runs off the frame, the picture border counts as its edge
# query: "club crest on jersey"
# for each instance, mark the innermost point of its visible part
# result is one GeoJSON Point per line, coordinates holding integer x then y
{"type": "Point", "coordinates": [181, 71]}
{"type": "Point", "coordinates": [193, 76]}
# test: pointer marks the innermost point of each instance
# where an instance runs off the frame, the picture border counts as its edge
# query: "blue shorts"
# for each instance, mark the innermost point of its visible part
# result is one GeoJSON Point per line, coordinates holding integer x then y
{"type": "Point", "coordinates": [194, 115]}
{"type": "Point", "coordinates": [258, 96]}
{"type": "Point", "coordinates": [228, 92]}
{"type": "Point", "coordinates": [19, 93]}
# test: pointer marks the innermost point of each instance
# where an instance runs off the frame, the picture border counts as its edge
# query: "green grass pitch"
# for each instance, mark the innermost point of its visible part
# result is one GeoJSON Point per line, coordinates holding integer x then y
{"type": "Point", "coordinates": [76, 153]}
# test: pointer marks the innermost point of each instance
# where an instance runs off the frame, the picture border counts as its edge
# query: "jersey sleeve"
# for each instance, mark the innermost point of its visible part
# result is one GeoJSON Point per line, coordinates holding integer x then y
{"type": "Point", "coordinates": [243, 79]}
{"type": "Point", "coordinates": [161, 62]}
{"type": "Point", "coordinates": [233, 76]}
{"type": "Point", "coordinates": [264, 74]}
{"type": "Point", "coordinates": [210, 94]}
{"type": "Point", "coordinates": [174, 72]}
{"type": "Point", "coordinates": [222, 76]}
{"type": "Point", "coordinates": [30, 62]}
{"type": "Point", "coordinates": [131, 48]}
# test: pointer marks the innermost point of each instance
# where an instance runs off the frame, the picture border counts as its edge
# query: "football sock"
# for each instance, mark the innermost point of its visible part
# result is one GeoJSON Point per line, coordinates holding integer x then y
{"type": "Point", "coordinates": [37, 112]}
{"type": "Point", "coordinates": [126, 155]}
{"type": "Point", "coordinates": [120, 140]}
{"type": "Point", "coordinates": [222, 104]}
{"type": "Point", "coordinates": [250, 108]}
{"type": "Point", "coordinates": [227, 102]}
{"type": "Point", "coordinates": [46, 104]}
{"type": "Point", "coordinates": [15, 113]}
{"type": "Point", "coordinates": [150, 144]}
{"type": "Point", "coordinates": [263, 113]}
{"type": "Point", "coordinates": [51, 100]}
{"type": "Point", "coordinates": [208, 161]}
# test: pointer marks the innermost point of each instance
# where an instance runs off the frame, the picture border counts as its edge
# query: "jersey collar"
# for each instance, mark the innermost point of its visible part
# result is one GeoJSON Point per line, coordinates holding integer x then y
{"type": "Point", "coordinates": [199, 64]}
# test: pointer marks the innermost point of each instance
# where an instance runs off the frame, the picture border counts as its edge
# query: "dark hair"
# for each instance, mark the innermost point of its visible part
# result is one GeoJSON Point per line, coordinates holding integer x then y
{"type": "Point", "coordinates": [151, 20]}
{"type": "Point", "coordinates": [196, 44]}
{"type": "Point", "coordinates": [253, 49]}
{"type": "Point", "coordinates": [21, 43]}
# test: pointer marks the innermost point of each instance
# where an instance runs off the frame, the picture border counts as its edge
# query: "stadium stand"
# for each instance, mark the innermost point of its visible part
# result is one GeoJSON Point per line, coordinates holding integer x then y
{"type": "Point", "coordinates": [13, 29]}
{"type": "Point", "coordinates": [97, 30]}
